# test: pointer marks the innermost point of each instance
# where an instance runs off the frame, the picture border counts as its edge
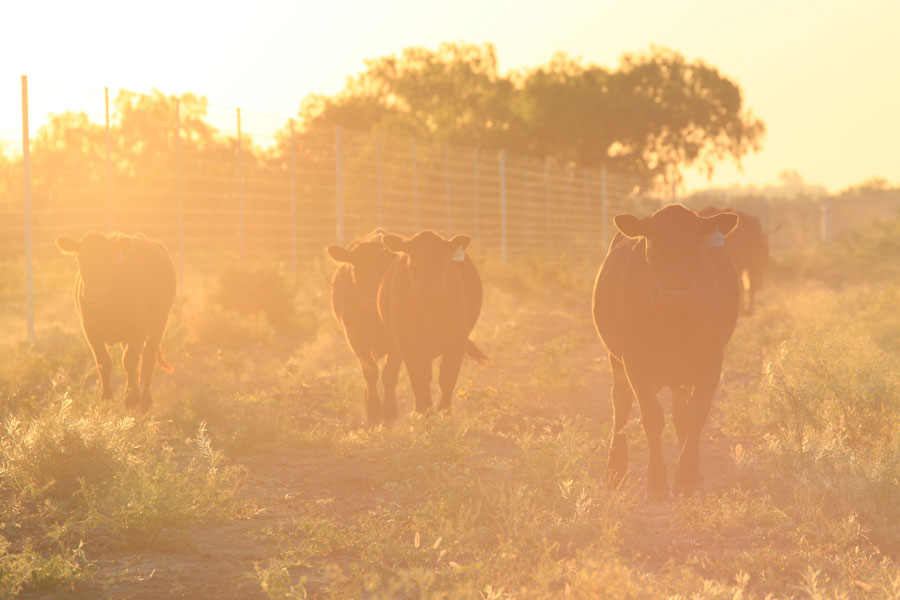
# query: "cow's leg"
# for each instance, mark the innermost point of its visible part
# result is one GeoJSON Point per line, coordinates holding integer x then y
{"type": "Point", "coordinates": [148, 367]}
{"type": "Point", "coordinates": [419, 370]}
{"type": "Point", "coordinates": [449, 373]}
{"type": "Point", "coordinates": [104, 364]}
{"type": "Point", "coordinates": [373, 403]}
{"type": "Point", "coordinates": [687, 473]}
{"type": "Point", "coordinates": [680, 396]}
{"type": "Point", "coordinates": [389, 375]}
{"type": "Point", "coordinates": [622, 399]}
{"type": "Point", "coordinates": [130, 361]}
{"type": "Point", "coordinates": [652, 419]}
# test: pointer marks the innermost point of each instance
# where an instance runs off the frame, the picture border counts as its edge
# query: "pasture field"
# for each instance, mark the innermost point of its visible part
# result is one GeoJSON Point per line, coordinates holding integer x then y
{"type": "Point", "coordinates": [253, 476]}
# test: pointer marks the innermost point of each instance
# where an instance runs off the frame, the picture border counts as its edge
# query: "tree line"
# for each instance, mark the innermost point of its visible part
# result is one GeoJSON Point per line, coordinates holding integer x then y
{"type": "Point", "coordinates": [653, 115]}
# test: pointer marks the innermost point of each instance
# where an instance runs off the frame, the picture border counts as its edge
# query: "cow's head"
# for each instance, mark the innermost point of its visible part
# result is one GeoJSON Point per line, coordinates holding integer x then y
{"type": "Point", "coordinates": [675, 238]}
{"type": "Point", "coordinates": [429, 256]}
{"type": "Point", "coordinates": [368, 260]}
{"type": "Point", "coordinates": [100, 258]}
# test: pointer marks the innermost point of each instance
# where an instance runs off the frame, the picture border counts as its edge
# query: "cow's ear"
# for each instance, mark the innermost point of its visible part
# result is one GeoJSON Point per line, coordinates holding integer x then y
{"type": "Point", "coordinates": [724, 223]}
{"type": "Point", "coordinates": [67, 245]}
{"type": "Point", "coordinates": [394, 242]}
{"type": "Point", "coordinates": [458, 242]}
{"type": "Point", "coordinates": [340, 254]}
{"type": "Point", "coordinates": [631, 226]}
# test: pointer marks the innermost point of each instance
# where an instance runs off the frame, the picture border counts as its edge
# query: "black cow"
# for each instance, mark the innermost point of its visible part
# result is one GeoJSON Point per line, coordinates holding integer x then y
{"type": "Point", "coordinates": [354, 288]}
{"type": "Point", "coordinates": [429, 301]}
{"type": "Point", "coordinates": [123, 292]}
{"type": "Point", "coordinates": [665, 304]}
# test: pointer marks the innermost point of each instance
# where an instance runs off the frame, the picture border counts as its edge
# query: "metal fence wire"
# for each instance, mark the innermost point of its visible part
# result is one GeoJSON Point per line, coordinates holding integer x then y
{"type": "Point", "coordinates": [285, 196]}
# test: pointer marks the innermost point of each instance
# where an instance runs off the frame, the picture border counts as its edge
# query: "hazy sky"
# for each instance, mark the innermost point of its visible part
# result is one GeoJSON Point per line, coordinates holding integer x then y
{"type": "Point", "coordinates": [824, 75]}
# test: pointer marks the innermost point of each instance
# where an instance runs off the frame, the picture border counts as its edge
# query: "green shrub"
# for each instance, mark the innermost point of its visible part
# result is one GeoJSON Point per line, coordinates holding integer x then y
{"type": "Point", "coordinates": [84, 473]}
{"type": "Point", "coordinates": [38, 573]}
{"type": "Point", "coordinates": [56, 454]}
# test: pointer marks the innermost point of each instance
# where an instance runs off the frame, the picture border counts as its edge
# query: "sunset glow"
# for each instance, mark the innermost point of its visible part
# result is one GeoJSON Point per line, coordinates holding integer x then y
{"type": "Point", "coordinates": [822, 75]}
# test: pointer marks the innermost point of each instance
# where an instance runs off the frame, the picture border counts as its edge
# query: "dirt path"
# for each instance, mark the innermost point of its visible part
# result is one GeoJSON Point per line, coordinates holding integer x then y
{"type": "Point", "coordinates": [219, 559]}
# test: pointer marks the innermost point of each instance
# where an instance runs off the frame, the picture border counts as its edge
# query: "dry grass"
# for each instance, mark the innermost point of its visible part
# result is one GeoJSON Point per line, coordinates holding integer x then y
{"type": "Point", "coordinates": [504, 499]}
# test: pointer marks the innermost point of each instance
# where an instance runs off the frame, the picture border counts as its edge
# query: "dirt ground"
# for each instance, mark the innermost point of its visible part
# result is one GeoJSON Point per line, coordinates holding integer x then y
{"type": "Point", "coordinates": [219, 559]}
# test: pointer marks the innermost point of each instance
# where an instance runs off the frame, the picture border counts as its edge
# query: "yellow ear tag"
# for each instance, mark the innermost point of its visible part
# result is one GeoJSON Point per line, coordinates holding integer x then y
{"type": "Point", "coordinates": [460, 254]}
{"type": "Point", "coordinates": [715, 240]}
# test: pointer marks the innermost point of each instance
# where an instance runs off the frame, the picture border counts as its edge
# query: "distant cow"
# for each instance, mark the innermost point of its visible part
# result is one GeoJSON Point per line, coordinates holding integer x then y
{"type": "Point", "coordinates": [124, 291]}
{"type": "Point", "coordinates": [429, 301]}
{"type": "Point", "coordinates": [354, 290]}
{"type": "Point", "coordinates": [665, 305]}
{"type": "Point", "coordinates": [748, 245]}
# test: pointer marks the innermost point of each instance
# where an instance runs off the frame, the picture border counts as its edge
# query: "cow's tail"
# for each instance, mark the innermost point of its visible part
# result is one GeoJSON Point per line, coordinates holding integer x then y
{"type": "Point", "coordinates": [475, 354]}
{"type": "Point", "coordinates": [162, 363]}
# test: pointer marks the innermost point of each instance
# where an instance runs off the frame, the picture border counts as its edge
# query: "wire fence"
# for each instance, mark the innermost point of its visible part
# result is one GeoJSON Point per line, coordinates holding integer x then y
{"type": "Point", "coordinates": [284, 198]}
{"type": "Point", "coordinates": [265, 192]}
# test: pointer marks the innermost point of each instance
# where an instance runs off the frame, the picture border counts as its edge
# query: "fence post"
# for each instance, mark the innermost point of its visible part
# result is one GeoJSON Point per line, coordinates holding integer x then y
{"type": "Point", "coordinates": [604, 216]}
{"type": "Point", "coordinates": [503, 206]}
{"type": "Point", "coordinates": [292, 169]}
{"type": "Point", "coordinates": [240, 188]}
{"type": "Point", "coordinates": [109, 209]}
{"type": "Point", "coordinates": [447, 202]}
{"type": "Point", "coordinates": [180, 195]}
{"type": "Point", "coordinates": [477, 200]}
{"type": "Point", "coordinates": [415, 167]}
{"type": "Point", "coordinates": [339, 184]}
{"type": "Point", "coordinates": [26, 171]}
{"type": "Point", "coordinates": [379, 180]}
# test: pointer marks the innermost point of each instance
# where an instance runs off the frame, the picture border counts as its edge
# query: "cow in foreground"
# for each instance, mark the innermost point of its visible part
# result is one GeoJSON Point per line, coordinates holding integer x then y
{"type": "Point", "coordinates": [748, 245]}
{"type": "Point", "coordinates": [665, 304]}
{"type": "Point", "coordinates": [354, 290]}
{"type": "Point", "coordinates": [429, 301]}
{"type": "Point", "coordinates": [123, 292]}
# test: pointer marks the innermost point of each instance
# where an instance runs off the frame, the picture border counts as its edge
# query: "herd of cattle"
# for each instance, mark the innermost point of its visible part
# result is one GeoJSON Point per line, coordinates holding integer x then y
{"type": "Point", "coordinates": [665, 304]}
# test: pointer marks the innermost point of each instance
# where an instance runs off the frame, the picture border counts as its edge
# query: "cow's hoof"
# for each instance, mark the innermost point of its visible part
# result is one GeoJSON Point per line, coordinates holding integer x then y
{"type": "Point", "coordinates": [132, 400]}
{"type": "Point", "coordinates": [686, 482]}
{"type": "Point", "coordinates": [658, 494]}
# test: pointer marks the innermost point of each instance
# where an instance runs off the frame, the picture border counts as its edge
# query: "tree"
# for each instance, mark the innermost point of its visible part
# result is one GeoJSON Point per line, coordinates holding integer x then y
{"type": "Point", "coordinates": [653, 116]}
{"type": "Point", "coordinates": [452, 95]}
